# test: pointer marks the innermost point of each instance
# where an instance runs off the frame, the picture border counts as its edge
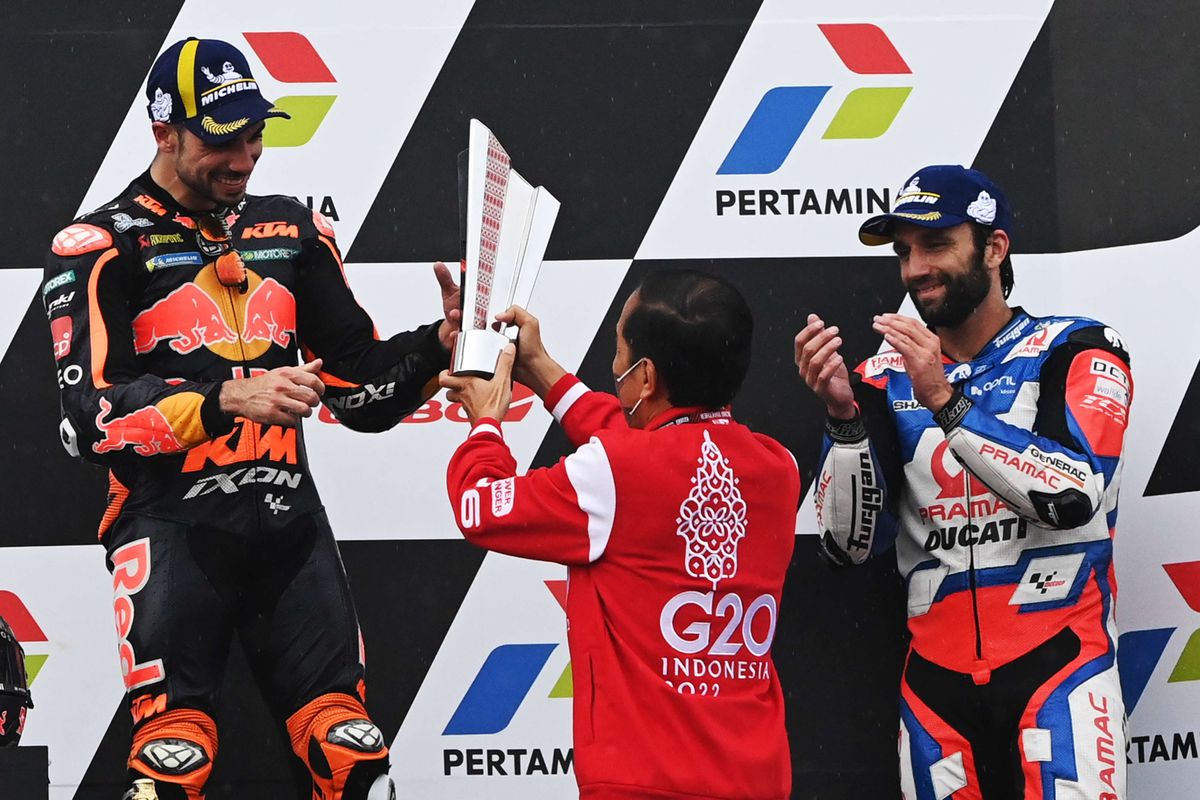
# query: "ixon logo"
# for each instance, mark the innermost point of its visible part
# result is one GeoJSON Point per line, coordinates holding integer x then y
{"type": "Point", "coordinates": [504, 680]}
{"type": "Point", "coordinates": [1140, 651]}
{"type": "Point", "coordinates": [785, 111]}
{"type": "Point", "coordinates": [290, 58]}
{"type": "Point", "coordinates": [27, 631]}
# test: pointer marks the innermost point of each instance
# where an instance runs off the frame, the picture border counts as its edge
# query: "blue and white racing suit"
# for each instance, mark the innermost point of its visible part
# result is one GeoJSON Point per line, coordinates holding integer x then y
{"type": "Point", "coordinates": [1002, 508]}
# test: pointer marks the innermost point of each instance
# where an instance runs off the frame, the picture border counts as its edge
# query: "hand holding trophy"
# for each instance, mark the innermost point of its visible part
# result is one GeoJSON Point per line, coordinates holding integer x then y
{"type": "Point", "coordinates": [506, 227]}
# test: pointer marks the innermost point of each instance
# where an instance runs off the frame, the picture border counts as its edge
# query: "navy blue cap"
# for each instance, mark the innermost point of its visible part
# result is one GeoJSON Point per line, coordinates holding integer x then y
{"type": "Point", "coordinates": [206, 84]}
{"type": "Point", "coordinates": [942, 196]}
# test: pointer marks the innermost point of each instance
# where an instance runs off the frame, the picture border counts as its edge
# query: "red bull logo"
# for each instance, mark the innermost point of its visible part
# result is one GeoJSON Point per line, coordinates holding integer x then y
{"type": "Point", "coordinates": [146, 430]}
{"type": "Point", "coordinates": [206, 314]}
{"type": "Point", "coordinates": [188, 318]}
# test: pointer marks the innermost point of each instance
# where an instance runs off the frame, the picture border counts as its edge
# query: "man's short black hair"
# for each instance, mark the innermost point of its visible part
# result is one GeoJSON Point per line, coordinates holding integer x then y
{"type": "Point", "coordinates": [696, 328]}
{"type": "Point", "coordinates": [981, 233]}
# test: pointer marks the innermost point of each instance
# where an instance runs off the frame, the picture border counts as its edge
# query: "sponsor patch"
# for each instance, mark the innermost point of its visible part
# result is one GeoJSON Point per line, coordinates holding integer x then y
{"type": "Point", "coordinates": [1099, 391]}
{"type": "Point", "coordinates": [58, 280]}
{"type": "Point", "coordinates": [75, 240]}
{"type": "Point", "coordinates": [1111, 390]}
{"type": "Point", "coordinates": [269, 230]}
{"type": "Point", "coordinates": [173, 260]}
{"type": "Point", "coordinates": [876, 365]}
{"type": "Point", "coordinates": [270, 254]}
{"type": "Point", "coordinates": [150, 204]}
{"type": "Point", "coordinates": [1047, 579]}
{"type": "Point", "coordinates": [59, 303]}
{"type": "Point", "coordinates": [1037, 342]}
{"type": "Point", "coordinates": [323, 224]}
{"type": "Point", "coordinates": [123, 222]}
{"type": "Point", "coordinates": [504, 494]}
{"type": "Point", "coordinates": [60, 330]}
{"type": "Point", "coordinates": [165, 238]}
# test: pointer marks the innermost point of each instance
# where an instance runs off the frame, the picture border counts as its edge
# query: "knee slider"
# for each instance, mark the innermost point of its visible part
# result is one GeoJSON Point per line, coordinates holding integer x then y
{"type": "Point", "coordinates": [177, 749]}
{"type": "Point", "coordinates": [343, 750]}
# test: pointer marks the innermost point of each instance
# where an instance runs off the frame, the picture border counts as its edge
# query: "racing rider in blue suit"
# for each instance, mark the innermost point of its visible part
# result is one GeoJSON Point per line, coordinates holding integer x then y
{"type": "Point", "coordinates": [987, 448]}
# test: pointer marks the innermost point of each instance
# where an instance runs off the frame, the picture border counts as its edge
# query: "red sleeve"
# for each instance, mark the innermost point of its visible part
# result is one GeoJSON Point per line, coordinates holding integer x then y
{"type": "Point", "coordinates": [1099, 390]}
{"type": "Point", "coordinates": [581, 411]}
{"type": "Point", "coordinates": [562, 513]}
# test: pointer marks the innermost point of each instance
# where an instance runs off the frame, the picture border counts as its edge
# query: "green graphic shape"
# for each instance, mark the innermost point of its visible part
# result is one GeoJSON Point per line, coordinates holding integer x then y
{"type": "Point", "coordinates": [308, 112]}
{"type": "Point", "coordinates": [867, 113]}
{"type": "Point", "coordinates": [1188, 668]}
{"type": "Point", "coordinates": [565, 685]}
{"type": "Point", "coordinates": [33, 664]}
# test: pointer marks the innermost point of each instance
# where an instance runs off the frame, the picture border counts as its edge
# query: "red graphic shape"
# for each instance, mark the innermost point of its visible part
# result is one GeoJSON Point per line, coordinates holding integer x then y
{"type": "Point", "coordinates": [60, 330]}
{"type": "Point", "coordinates": [1186, 577]}
{"type": "Point", "coordinates": [289, 57]}
{"type": "Point", "coordinates": [75, 240]}
{"type": "Point", "coordinates": [865, 49]}
{"type": "Point", "coordinates": [270, 314]}
{"type": "Point", "coordinates": [23, 625]}
{"type": "Point", "coordinates": [146, 429]}
{"type": "Point", "coordinates": [187, 318]}
{"type": "Point", "coordinates": [559, 590]}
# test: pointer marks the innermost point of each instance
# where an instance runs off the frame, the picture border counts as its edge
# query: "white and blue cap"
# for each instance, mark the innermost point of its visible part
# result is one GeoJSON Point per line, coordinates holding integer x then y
{"type": "Point", "coordinates": [942, 196]}
{"type": "Point", "coordinates": [206, 85]}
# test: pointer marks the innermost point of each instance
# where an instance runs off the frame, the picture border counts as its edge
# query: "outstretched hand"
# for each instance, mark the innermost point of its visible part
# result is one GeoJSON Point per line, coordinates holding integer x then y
{"type": "Point", "coordinates": [823, 368]}
{"type": "Point", "coordinates": [922, 353]}
{"type": "Point", "coordinates": [451, 312]}
{"type": "Point", "coordinates": [483, 397]}
{"type": "Point", "coordinates": [277, 397]}
{"type": "Point", "coordinates": [534, 367]}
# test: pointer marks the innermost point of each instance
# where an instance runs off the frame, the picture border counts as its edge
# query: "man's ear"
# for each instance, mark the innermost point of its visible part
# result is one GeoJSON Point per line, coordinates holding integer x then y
{"type": "Point", "coordinates": [165, 137]}
{"type": "Point", "coordinates": [998, 246]}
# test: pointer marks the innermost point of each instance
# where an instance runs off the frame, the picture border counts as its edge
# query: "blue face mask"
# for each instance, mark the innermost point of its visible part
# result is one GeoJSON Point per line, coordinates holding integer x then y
{"type": "Point", "coordinates": [617, 381]}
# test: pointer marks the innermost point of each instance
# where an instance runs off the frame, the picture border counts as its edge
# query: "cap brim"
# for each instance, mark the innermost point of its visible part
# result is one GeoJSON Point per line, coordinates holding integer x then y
{"type": "Point", "coordinates": [232, 118]}
{"type": "Point", "coordinates": [878, 230]}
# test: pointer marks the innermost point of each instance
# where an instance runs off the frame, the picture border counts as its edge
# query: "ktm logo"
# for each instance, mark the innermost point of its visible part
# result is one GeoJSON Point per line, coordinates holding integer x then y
{"type": "Point", "coordinates": [268, 230]}
{"type": "Point", "coordinates": [146, 706]}
{"type": "Point", "coordinates": [291, 58]}
{"type": "Point", "coordinates": [246, 442]}
{"type": "Point", "coordinates": [150, 204]}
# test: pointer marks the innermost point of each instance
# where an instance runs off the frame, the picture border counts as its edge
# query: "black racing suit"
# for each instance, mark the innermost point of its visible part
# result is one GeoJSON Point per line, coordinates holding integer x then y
{"type": "Point", "coordinates": [213, 522]}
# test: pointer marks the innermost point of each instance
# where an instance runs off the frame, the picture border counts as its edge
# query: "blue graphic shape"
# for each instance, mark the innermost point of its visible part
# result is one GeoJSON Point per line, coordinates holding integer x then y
{"type": "Point", "coordinates": [772, 130]}
{"type": "Point", "coordinates": [1138, 653]}
{"type": "Point", "coordinates": [499, 689]}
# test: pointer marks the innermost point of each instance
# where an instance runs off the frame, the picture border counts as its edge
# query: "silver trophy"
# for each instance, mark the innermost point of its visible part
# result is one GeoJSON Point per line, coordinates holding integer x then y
{"type": "Point", "coordinates": [507, 227]}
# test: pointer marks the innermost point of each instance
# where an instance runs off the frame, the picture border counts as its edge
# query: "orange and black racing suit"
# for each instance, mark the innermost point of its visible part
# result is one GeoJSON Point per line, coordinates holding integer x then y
{"type": "Point", "coordinates": [213, 523]}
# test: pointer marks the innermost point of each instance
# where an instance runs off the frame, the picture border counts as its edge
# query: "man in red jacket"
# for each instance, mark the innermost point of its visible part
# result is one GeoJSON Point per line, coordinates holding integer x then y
{"type": "Point", "coordinates": [676, 524]}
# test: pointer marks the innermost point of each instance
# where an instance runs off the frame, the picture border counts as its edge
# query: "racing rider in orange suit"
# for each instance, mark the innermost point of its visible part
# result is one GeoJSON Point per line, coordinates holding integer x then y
{"type": "Point", "coordinates": [178, 312]}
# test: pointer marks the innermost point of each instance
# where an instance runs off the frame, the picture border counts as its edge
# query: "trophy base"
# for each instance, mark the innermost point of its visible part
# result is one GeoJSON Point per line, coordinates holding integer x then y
{"type": "Point", "coordinates": [476, 353]}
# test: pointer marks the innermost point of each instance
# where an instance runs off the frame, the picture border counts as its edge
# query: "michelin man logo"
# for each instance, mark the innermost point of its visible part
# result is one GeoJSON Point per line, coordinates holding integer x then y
{"type": "Point", "coordinates": [1114, 339]}
{"type": "Point", "coordinates": [912, 188]}
{"type": "Point", "coordinates": [227, 74]}
{"type": "Point", "coordinates": [712, 518]}
{"type": "Point", "coordinates": [959, 373]}
{"type": "Point", "coordinates": [983, 210]}
{"type": "Point", "coordinates": [160, 109]}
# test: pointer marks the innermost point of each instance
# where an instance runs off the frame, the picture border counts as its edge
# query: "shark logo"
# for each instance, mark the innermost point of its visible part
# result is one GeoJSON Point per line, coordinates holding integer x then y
{"type": "Point", "coordinates": [712, 517]}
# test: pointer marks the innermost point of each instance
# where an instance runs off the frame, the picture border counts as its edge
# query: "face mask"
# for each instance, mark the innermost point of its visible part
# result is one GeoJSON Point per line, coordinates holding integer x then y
{"type": "Point", "coordinates": [619, 379]}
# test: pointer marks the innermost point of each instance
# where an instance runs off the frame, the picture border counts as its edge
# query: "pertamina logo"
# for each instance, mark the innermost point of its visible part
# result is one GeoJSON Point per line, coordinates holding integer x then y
{"type": "Point", "coordinates": [33, 640]}
{"type": "Point", "coordinates": [1140, 653]}
{"type": "Point", "coordinates": [290, 58]}
{"type": "Point", "coordinates": [492, 700]}
{"type": "Point", "coordinates": [783, 115]}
